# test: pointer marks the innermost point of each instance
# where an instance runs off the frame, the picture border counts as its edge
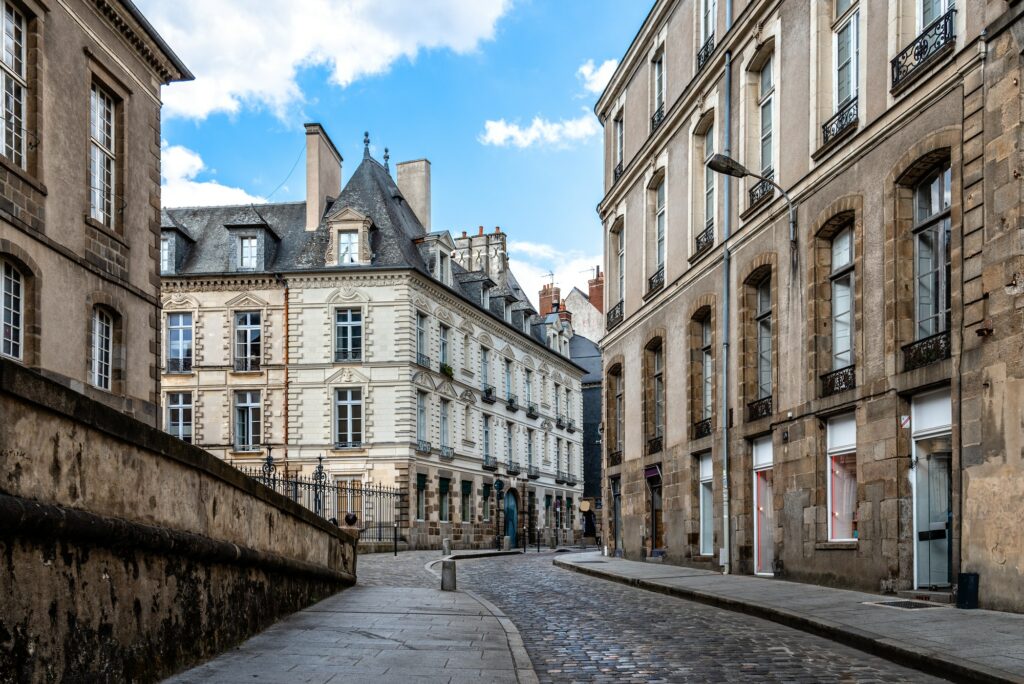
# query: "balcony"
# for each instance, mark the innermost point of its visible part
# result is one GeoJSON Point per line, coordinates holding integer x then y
{"type": "Point", "coordinates": [655, 445]}
{"type": "Point", "coordinates": [447, 453]}
{"type": "Point", "coordinates": [570, 479]}
{"type": "Point", "coordinates": [656, 281]}
{"type": "Point", "coordinates": [560, 477]}
{"type": "Point", "coordinates": [422, 360]}
{"type": "Point", "coordinates": [614, 458]}
{"type": "Point", "coordinates": [761, 408]}
{"type": "Point", "coordinates": [570, 425]}
{"type": "Point", "coordinates": [487, 394]}
{"type": "Point", "coordinates": [705, 240]}
{"type": "Point", "coordinates": [531, 410]}
{"type": "Point", "coordinates": [247, 365]}
{"type": "Point", "coordinates": [512, 403]}
{"type": "Point", "coordinates": [490, 463]}
{"type": "Point", "coordinates": [704, 54]}
{"type": "Point", "coordinates": [844, 122]}
{"type": "Point", "coordinates": [926, 351]}
{"type": "Point", "coordinates": [936, 39]}
{"type": "Point", "coordinates": [422, 446]}
{"type": "Point", "coordinates": [560, 422]}
{"type": "Point", "coordinates": [762, 191]}
{"type": "Point", "coordinates": [348, 445]}
{"type": "Point", "coordinates": [348, 355]}
{"type": "Point", "coordinates": [179, 365]}
{"type": "Point", "coordinates": [614, 316]}
{"type": "Point", "coordinates": [658, 117]}
{"type": "Point", "coordinates": [838, 381]}
{"type": "Point", "coordinates": [532, 472]}
{"type": "Point", "coordinates": [512, 468]}
{"type": "Point", "coordinates": [617, 172]}
{"type": "Point", "coordinates": [702, 428]}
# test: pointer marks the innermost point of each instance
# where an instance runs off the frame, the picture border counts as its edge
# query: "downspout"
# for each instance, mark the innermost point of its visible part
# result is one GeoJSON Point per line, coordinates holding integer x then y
{"type": "Point", "coordinates": [726, 264]}
{"type": "Point", "coordinates": [280, 279]}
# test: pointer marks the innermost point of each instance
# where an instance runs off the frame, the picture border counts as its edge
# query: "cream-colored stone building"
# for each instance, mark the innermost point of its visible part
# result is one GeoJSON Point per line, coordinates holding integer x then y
{"type": "Point", "coordinates": [79, 196]}
{"type": "Point", "coordinates": [342, 328]}
{"type": "Point", "coordinates": [840, 401]}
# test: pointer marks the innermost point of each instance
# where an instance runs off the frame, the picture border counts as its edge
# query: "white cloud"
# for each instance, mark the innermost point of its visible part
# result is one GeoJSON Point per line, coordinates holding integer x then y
{"type": "Point", "coordinates": [179, 167]}
{"type": "Point", "coordinates": [247, 54]}
{"type": "Point", "coordinates": [596, 78]}
{"type": "Point", "coordinates": [533, 262]}
{"type": "Point", "coordinates": [540, 131]}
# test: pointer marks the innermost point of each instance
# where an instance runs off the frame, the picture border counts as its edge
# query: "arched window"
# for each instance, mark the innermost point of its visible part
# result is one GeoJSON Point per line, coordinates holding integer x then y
{"type": "Point", "coordinates": [12, 302]}
{"type": "Point", "coordinates": [654, 394]}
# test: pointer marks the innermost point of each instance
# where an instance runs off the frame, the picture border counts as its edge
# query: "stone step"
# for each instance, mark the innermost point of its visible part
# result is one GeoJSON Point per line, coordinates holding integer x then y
{"type": "Point", "coordinates": [925, 595]}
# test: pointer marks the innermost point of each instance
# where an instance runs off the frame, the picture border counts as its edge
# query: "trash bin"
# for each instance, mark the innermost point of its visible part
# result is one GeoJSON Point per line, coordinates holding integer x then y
{"type": "Point", "coordinates": [967, 590]}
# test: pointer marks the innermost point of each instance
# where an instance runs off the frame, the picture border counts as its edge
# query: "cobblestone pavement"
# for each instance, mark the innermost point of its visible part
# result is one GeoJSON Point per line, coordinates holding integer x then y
{"type": "Point", "coordinates": [579, 628]}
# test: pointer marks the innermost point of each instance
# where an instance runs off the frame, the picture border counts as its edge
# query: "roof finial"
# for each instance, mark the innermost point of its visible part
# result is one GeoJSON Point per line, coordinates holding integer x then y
{"type": "Point", "coordinates": [366, 144]}
{"type": "Point", "coordinates": [386, 157]}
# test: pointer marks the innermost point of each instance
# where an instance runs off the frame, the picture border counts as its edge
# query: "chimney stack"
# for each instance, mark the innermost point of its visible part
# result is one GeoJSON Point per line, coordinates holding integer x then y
{"type": "Point", "coordinates": [550, 299]}
{"type": "Point", "coordinates": [596, 295]}
{"type": "Point", "coordinates": [323, 173]}
{"type": "Point", "coordinates": [414, 182]}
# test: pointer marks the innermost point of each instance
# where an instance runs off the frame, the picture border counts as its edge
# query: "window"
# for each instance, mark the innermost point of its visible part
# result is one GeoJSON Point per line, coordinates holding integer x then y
{"type": "Point", "coordinates": [568, 458]}
{"type": "Point", "coordinates": [707, 506]}
{"type": "Point", "coordinates": [529, 386]}
{"type": "Point", "coordinates": [660, 224]}
{"type": "Point", "coordinates": [487, 436]}
{"type": "Point", "coordinates": [658, 380]}
{"type": "Point", "coordinates": [932, 10]}
{"type": "Point", "coordinates": [179, 415]}
{"type": "Point", "coordinates": [467, 501]}
{"type": "Point", "coordinates": [529, 447]}
{"type": "Point", "coordinates": [485, 366]}
{"type": "Point", "coordinates": [421, 416]}
{"type": "Point", "coordinates": [247, 421]}
{"type": "Point", "coordinates": [444, 344]}
{"type": "Point", "coordinates": [444, 494]}
{"type": "Point", "coordinates": [487, 502]}
{"type": "Point", "coordinates": [765, 98]}
{"type": "Point", "coordinates": [348, 409]}
{"type": "Point", "coordinates": [619, 408]}
{"type": "Point", "coordinates": [508, 380]}
{"type": "Point", "coordinates": [14, 82]}
{"type": "Point", "coordinates": [247, 341]}
{"type": "Point", "coordinates": [707, 370]}
{"type": "Point", "coordinates": [931, 253]}
{"type": "Point", "coordinates": [558, 400]}
{"type": "Point", "coordinates": [707, 19]}
{"type": "Point", "coordinates": [102, 348]}
{"type": "Point", "coordinates": [12, 288]}
{"type": "Point", "coordinates": [847, 57]}
{"type": "Point", "coordinates": [709, 180]}
{"type": "Point", "coordinates": [165, 255]}
{"type": "Point", "coordinates": [485, 297]}
{"type": "Point", "coordinates": [658, 68]}
{"type": "Point", "coordinates": [842, 299]}
{"type": "Point", "coordinates": [764, 506]}
{"type": "Point", "coordinates": [763, 322]}
{"type": "Point", "coordinates": [508, 440]}
{"type": "Point", "coordinates": [558, 454]}
{"type": "Point", "coordinates": [446, 407]}
{"type": "Point", "coordinates": [621, 260]}
{"type": "Point", "coordinates": [619, 139]}
{"type": "Point", "coordinates": [102, 156]}
{"type": "Point", "coordinates": [422, 357]}
{"type": "Point", "coordinates": [842, 478]}
{"type": "Point", "coordinates": [179, 343]}
{"type": "Point", "coordinates": [348, 335]}
{"type": "Point", "coordinates": [444, 269]}
{"type": "Point", "coordinates": [348, 247]}
{"type": "Point", "coordinates": [421, 496]}
{"type": "Point", "coordinates": [247, 253]}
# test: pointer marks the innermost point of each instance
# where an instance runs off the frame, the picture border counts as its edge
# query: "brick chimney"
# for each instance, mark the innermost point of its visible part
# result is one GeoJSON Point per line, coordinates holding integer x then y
{"type": "Point", "coordinates": [323, 173]}
{"type": "Point", "coordinates": [550, 299]}
{"type": "Point", "coordinates": [596, 294]}
{"type": "Point", "coordinates": [414, 182]}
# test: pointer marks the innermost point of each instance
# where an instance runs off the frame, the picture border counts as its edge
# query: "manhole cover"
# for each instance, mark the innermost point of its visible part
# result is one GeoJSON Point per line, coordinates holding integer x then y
{"type": "Point", "coordinates": [906, 605]}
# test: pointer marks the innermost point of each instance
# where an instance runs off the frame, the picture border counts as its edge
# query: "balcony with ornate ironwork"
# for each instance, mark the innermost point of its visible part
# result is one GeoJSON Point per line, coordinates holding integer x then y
{"type": "Point", "coordinates": [512, 468]}
{"type": "Point", "coordinates": [702, 428]}
{"type": "Point", "coordinates": [560, 422]}
{"type": "Point", "coordinates": [422, 360]}
{"type": "Point", "coordinates": [844, 122]}
{"type": "Point", "coordinates": [247, 364]}
{"type": "Point", "coordinates": [704, 54]}
{"type": "Point", "coordinates": [532, 472]}
{"type": "Point", "coordinates": [570, 426]}
{"type": "Point", "coordinates": [762, 190]}
{"type": "Point", "coordinates": [423, 446]}
{"type": "Point", "coordinates": [447, 453]}
{"type": "Point", "coordinates": [656, 281]}
{"type": "Point", "coordinates": [490, 462]}
{"type": "Point", "coordinates": [655, 444]}
{"type": "Point", "coordinates": [614, 458]}
{"type": "Point", "coordinates": [617, 172]}
{"type": "Point", "coordinates": [487, 394]}
{"type": "Point", "coordinates": [838, 381]}
{"type": "Point", "coordinates": [614, 315]}
{"type": "Point", "coordinates": [658, 117]}
{"type": "Point", "coordinates": [531, 410]}
{"type": "Point", "coordinates": [179, 365]}
{"type": "Point", "coordinates": [926, 351]}
{"type": "Point", "coordinates": [570, 479]}
{"type": "Point", "coordinates": [938, 38]}
{"type": "Point", "coordinates": [760, 408]}
{"type": "Point", "coordinates": [340, 446]}
{"type": "Point", "coordinates": [348, 355]}
{"type": "Point", "coordinates": [561, 477]}
{"type": "Point", "coordinates": [705, 240]}
{"type": "Point", "coordinates": [512, 402]}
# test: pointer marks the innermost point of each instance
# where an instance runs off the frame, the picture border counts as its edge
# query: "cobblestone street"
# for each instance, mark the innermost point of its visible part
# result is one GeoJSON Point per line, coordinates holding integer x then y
{"type": "Point", "coordinates": [578, 628]}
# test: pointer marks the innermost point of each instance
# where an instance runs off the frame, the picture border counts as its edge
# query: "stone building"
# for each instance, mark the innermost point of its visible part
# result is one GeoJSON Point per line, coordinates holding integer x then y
{"type": "Point", "coordinates": [342, 327]}
{"type": "Point", "coordinates": [80, 197]}
{"type": "Point", "coordinates": [839, 401]}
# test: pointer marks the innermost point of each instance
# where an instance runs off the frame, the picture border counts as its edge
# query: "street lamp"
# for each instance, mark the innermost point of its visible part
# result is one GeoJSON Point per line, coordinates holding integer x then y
{"type": "Point", "coordinates": [730, 167]}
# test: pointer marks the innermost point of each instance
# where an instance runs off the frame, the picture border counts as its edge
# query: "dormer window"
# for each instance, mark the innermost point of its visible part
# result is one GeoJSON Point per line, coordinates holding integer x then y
{"type": "Point", "coordinates": [485, 297]}
{"type": "Point", "coordinates": [166, 255]}
{"type": "Point", "coordinates": [444, 267]}
{"type": "Point", "coordinates": [508, 312]}
{"type": "Point", "coordinates": [247, 253]}
{"type": "Point", "coordinates": [348, 246]}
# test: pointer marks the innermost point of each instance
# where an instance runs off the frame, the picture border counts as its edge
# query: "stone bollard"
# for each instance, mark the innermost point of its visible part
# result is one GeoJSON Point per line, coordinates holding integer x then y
{"type": "Point", "coordinates": [506, 543]}
{"type": "Point", "coordinates": [448, 575]}
{"type": "Point", "coordinates": [446, 547]}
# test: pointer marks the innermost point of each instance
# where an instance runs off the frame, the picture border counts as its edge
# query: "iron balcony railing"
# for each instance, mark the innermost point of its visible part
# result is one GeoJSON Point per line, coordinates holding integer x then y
{"type": "Point", "coordinates": [532, 472]}
{"type": "Point", "coordinates": [838, 381]}
{"type": "Point", "coordinates": [348, 445]}
{"type": "Point", "coordinates": [926, 351]}
{"type": "Point", "coordinates": [447, 453]}
{"type": "Point", "coordinates": [570, 425]}
{"type": "Point", "coordinates": [844, 121]}
{"type": "Point", "coordinates": [531, 410]}
{"type": "Point", "coordinates": [512, 468]}
{"type": "Point", "coordinates": [246, 364]}
{"type": "Point", "coordinates": [423, 446]}
{"type": "Point", "coordinates": [704, 54]}
{"type": "Point", "coordinates": [705, 239]}
{"type": "Point", "coordinates": [702, 428]}
{"type": "Point", "coordinates": [570, 479]}
{"type": "Point", "coordinates": [762, 190]}
{"type": "Point", "coordinates": [658, 117]}
{"type": "Point", "coordinates": [759, 408]}
{"type": "Point", "coordinates": [560, 477]}
{"type": "Point", "coordinates": [246, 447]}
{"type": "Point", "coordinates": [614, 458]}
{"type": "Point", "coordinates": [182, 365]}
{"type": "Point", "coordinates": [655, 444]}
{"type": "Point", "coordinates": [614, 315]}
{"type": "Point", "coordinates": [343, 355]}
{"type": "Point", "coordinates": [656, 281]}
{"type": "Point", "coordinates": [936, 38]}
{"type": "Point", "coordinates": [490, 462]}
{"type": "Point", "coordinates": [487, 395]}
{"type": "Point", "coordinates": [560, 422]}
{"type": "Point", "coordinates": [422, 360]}
{"type": "Point", "coordinates": [512, 402]}
{"type": "Point", "coordinates": [617, 172]}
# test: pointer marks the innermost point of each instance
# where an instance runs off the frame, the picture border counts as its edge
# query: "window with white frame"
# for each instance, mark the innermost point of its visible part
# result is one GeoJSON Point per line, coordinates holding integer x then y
{"type": "Point", "coordinates": [766, 93]}
{"type": "Point", "coordinates": [485, 297]}
{"type": "Point", "coordinates": [179, 343]}
{"type": "Point", "coordinates": [529, 386]}
{"type": "Point", "coordinates": [487, 435]}
{"type": "Point", "coordinates": [348, 246]}
{"type": "Point", "coordinates": [422, 349]}
{"type": "Point", "coordinates": [445, 331]}
{"type": "Point", "coordinates": [558, 400]}
{"type": "Point", "coordinates": [709, 179]}
{"type": "Point", "coordinates": [102, 348]}
{"type": "Point", "coordinates": [620, 257]}
{"type": "Point", "coordinates": [707, 506]}
{"type": "Point", "coordinates": [847, 53]}
{"type": "Point", "coordinates": [619, 408]}
{"type": "Point", "coordinates": [508, 380]}
{"type": "Point", "coordinates": [764, 505]}
{"type": "Point", "coordinates": [348, 411]}
{"type": "Point", "coordinates": [485, 367]}
{"type": "Point", "coordinates": [619, 133]}
{"type": "Point", "coordinates": [248, 427]}
{"type": "Point", "coordinates": [421, 416]}
{"type": "Point", "coordinates": [658, 73]}
{"type": "Point", "coordinates": [658, 380]}
{"type": "Point", "coordinates": [248, 340]}
{"type": "Point", "coordinates": [708, 12]}
{"type": "Point", "coordinates": [446, 407]}
{"type": "Point", "coordinates": [102, 156]}
{"type": "Point", "coordinates": [659, 220]}
{"type": "Point", "coordinates": [179, 415]}
{"type": "Point", "coordinates": [165, 255]}
{"type": "Point", "coordinates": [842, 478]}
{"type": "Point", "coordinates": [930, 10]}
{"type": "Point", "coordinates": [763, 322]}
{"type": "Point", "coordinates": [348, 335]}
{"type": "Point", "coordinates": [421, 496]}
{"type": "Point", "coordinates": [508, 440]}
{"type": "Point", "coordinates": [12, 301]}
{"type": "Point", "coordinates": [842, 298]}
{"type": "Point", "coordinates": [14, 81]}
{"type": "Point", "coordinates": [247, 249]}
{"type": "Point", "coordinates": [931, 253]}
{"type": "Point", "coordinates": [706, 370]}
{"type": "Point", "coordinates": [529, 448]}
{"type": "Point", "coordinates": [444, 267]}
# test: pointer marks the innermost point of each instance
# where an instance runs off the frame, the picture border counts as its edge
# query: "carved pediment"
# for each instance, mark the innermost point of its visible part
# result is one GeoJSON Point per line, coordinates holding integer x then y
{"type": "Point", "coordinates": [508, 353]}
{"type": "Point", "coordinates": [246, 299]}
{"type": "Point", "coordinates": [422, 304]}
{"type": "Point", "coordinates": [445, 315]}
{"type": "Point", "coordinates": [424, 380]}
{"type": "Point", "coordinates": [179, 300]}
{"type": "Point", "coordinates": [486, 340]}
{"type": "Point", "coordinates": [469, 396]}
{"type": "Point", "coordinates": [347, 293]}
{"type": "Point", "coordinates": [348, 375]}
{"type": "Point", "coordinates": [346, 214]}
{"type": "Point", "coordinates": [529, 363]}
{"type": "Point", "coordinates": [448, 390]}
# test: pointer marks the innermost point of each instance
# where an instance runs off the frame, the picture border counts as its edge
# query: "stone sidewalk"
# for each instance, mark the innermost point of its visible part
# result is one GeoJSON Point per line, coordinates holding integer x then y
{"type": "Point", "coordinates": [963, 645]}
{"type": "Point", "coordinates": [379, 635]}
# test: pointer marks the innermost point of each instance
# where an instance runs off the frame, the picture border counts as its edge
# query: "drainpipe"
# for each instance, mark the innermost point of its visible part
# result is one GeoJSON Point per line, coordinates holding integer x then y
{"type": "Point", "coordinates": [726, 264]}
{"type": "Point", "coordinates": [281, 280]}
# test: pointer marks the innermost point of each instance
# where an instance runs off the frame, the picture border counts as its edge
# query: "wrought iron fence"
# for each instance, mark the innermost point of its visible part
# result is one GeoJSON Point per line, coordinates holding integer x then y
{"type": "Point", "coordinates": [844, 120]}
{"type": "Point", "coordinates": [704, 54]}
{"type": "Point", "coordinates": [614, 315]}
{"type": "Point", "coordinates": [617, 172]}
{"type": "Point", "coordinates": [762, 190]}
{"type": "Point", "coordinates": [179, 365]}
{"type": "Point", "coordinates": [447, 453]}
{"type": "Point", "coordinates": [247, 363]}
{"type": "Point", "coordinates": [490, 462]}
{"type": "Point", "coordinates": [422, 360]}
{"type": "Point", "coordinates": [655, 444]}
{"type": "Point", "coordinates": [487, 394]}
{"type": "Point", "coordinates": [656, 281]}
{"type": "Point", "coordinates": [759, 408]}
{"type": "Point", "coordinates": [659, 116]}
{"type": "Point", "coordinates": [702, 428]}
{"type": "Point", "coordinates": [925, 351]}
{"type": "Point", "coordinates": [531, 410]}
{"type": "Point", "coordinates": [532, 472]}
{"type": "Point", "coordinates": [838, 381]}
{"type": "Point", "coordinates": [512, 402]}
{"type": "Point", "coordinates": [705, 239]}
{"type": "Point", "coordinates": [342, 355]}
{"type": "Point", "coordinates": [937, 37]}
{"type": "Point", "coordinates": [614, 458]}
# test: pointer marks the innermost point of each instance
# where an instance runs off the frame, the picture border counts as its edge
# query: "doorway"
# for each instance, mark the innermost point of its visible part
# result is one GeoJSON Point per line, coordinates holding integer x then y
{"type": "Point", "coordinates": [657, 526]}
{"type": "Point", "coordinates": [764, 507]}
{"type": "Point", "coordinates": [933, 484]}
{"type": "Point", "coordinates": [617, 515]}
{"type": "Point", "coordinates": [511, 517]}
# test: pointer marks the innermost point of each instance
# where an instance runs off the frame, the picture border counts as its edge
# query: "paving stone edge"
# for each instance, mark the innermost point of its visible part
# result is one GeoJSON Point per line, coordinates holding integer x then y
{"type": "Point", "coordinates": [930, 662]}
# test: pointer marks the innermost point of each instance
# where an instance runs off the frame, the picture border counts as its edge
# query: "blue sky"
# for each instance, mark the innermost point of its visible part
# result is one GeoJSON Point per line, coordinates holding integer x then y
{"type": "Point", "coordinates": [424, 77]}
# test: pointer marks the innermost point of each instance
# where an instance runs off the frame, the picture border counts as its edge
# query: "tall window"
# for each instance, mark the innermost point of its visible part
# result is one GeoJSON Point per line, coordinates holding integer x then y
{"type": "Point", "coordinates": [444, 269]}
{"type": "Point", "coordinates": [179, 415]}
{"type": "Point", "coordinates": [14, 82]}
{"type": "Point", "coordinates": [348, 410]}
{"type": "Point", "coordinates": [12, 302]}
{"type": "Point", "coordinates": [619, 409]}
{"type": "Point", "coordinates": [485, 366]}
{"type": "Point", "coordinates": [486, 502]}
{"type": "Point", "coordinates": [421, 416]}
{"type": "Point", "coordinates": [842, 299]}
{"type": "Point", "coordinates": [529, 447]}
{"type": "Point", "coordinates": [706, 370]}
{"type": "Point", "coordinates": [487, 435]}
{"type": "Point", "coordinates": [707, 19]}
{"type": "Point", "coordinates": [467, 501]}
{"type": "Point", "coordinates": [445, 498]}
{"type": "Point", "coordinates": [179, 343]}
{"type": "Point", "coordinates": [421, 496]}
{"type": "Point", "coordinates": [660, 224]}
{"type": "Point", "coordinates": [658, 388]}
{"type": "Point", "coordinates": [348, 335]}
{"type": "Point", "coordinates": [558, 400]}
{"type": "Point", "coordinates": [529, 386]}
{"type": "Point", "coordinates": [659, 81]}
{"type": "Point", "coordinates": [247, 421]}
{"type": "Point", "coordinates": [444, 344]}
{"type": "Point", "coordinates": [765, 100]}
{"type": "Point", "coordinates": [842, 478]}
{"type": "Point", "coordinates": [931, 253]}
{"type": "Point", "coordinates": [933, 9]}
{"type": "Point", "coordinates": [847, 53]}
{"type": "Point", "coordinates": [348, 247]}
{"type": "Point", "coordinates": [558, 454]}
{"type": "Point", "coordinates": [446, 408]}
{"type": "Point", "coordinates": [248, 336]}
{"type": "Point", "coordinates": [102, 347]}
{"type": "Point", "coordinates": [619, 138]}
{"type": "Point", "coordinates": [620, 257]}
{"type": "Point", "coordinates": [709, 179]}
{"type": "Point", "coordinates": [763, 322]}
{"type": "Point", "coordinates": [421, 338]}
{"type": "Point", "coordinates": [165, 255]}
{"type": "Point", "coordinates": [764, 505]}
{"type": "Point", "coordinates": [247, 253]}
{"type": "Point", "coordinates": [102, 155]}
{"type": "Point", "coordinates": [707, 506]}
{"type": "Point", "coordinates": [508, 379]}
{"type": "Point", "coordinates": [508, 440]}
